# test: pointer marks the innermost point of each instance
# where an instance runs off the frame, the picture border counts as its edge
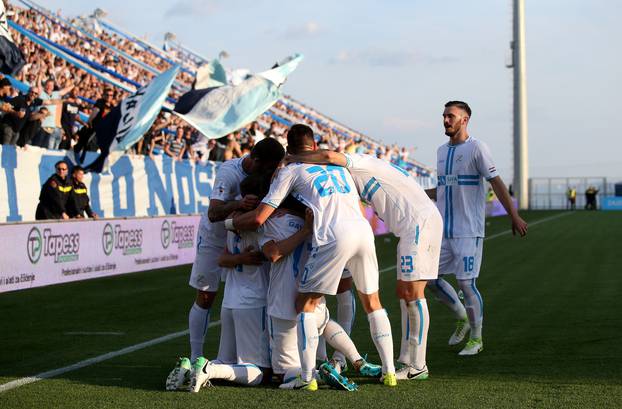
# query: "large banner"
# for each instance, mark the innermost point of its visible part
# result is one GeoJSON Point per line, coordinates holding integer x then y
{"type": "Point", "coordinates": [46, 253]}
{"type": "Point", "coordinates": [134, 185]}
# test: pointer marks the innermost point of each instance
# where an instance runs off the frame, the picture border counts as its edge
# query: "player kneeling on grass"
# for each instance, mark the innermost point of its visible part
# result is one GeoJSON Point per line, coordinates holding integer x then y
{"type": "Point", "coordinates": [244, 342]}
{"type": "Point", "coordinates": [286, 243]}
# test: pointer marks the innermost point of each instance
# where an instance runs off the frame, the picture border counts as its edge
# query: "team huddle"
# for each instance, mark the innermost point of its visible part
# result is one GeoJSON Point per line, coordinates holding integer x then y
{"type": "Point", "coordinates": [284, 231]}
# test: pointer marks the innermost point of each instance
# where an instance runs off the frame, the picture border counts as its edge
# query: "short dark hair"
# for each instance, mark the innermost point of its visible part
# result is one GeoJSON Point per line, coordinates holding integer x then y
{"type": "Point", "coordinates": [77, 169]}
{"type": "Point", "coordinates": [298, 137]}
{"type": "Point", "coordinates": [268, 150]}
{"type": "Point", "coordinates": [59, 162]}
{"type": "Point", "coordinates": [460, 104]}
{"type": "Point", "coordinates": [4, 82]}
{"type": "Point", "coordinates": [255, 184]}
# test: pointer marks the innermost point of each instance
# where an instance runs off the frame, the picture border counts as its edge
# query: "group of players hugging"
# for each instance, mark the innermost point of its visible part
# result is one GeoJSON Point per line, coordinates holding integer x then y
{"type": "Point", "coordinates": [285, 230]}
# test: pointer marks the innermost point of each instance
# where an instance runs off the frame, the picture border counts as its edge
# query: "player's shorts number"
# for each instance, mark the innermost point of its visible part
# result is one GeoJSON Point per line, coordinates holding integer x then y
{"type": "Point", "coordinates": [469, 263]}
{"type": "Point", "coordinates": [407, 264]}
{"type": "Point", "coordinates": [331, 179]}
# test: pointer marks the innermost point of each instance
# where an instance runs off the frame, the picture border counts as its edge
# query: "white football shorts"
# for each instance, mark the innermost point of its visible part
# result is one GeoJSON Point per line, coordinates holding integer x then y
{"type": "Point", "coordinates": [418, 251]}
{"type": "Point", "coordinates": [462, 257]}
{"type": "Point", "coordinates": [206, 274]}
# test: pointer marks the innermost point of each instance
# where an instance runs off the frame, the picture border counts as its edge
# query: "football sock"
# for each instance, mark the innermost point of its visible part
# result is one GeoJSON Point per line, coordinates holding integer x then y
{"type": "Point", "coordinates": [418, 336]}
{"type": "Point", "coordinates": [380, 329]}
{"type": "Point", "coordinates": [243, 374]}
{"type": "Point", "coordinates": [346, 310]}
{"type": "Point", "coordinates": [474, 306]}
{"type": "Point", "coordinates": [404, 355]}
{"type": "Point", "coordinates": [336, 336]}
{"type": "Point", "coordinates": [307, 343]}
{"type": "Point", "coordinates": [198, 321]}
{"type": "Point", "coordinates": [446, 294]}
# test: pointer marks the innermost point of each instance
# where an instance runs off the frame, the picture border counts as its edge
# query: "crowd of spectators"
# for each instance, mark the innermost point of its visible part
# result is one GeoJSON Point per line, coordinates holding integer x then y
{"type": "Point", "coordinates": [64, 103]}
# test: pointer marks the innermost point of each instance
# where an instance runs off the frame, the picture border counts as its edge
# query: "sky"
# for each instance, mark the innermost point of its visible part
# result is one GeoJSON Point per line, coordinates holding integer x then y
{"type": "Point", "coordinates": [386, 68]}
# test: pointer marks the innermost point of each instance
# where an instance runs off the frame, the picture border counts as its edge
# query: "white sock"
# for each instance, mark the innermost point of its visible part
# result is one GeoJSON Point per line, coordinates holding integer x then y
{"type": "Point", "coordinates": [243, 374]}
{"type": "Point", "coordinates": [337, 337]}
{"type": "Point", "coordinates": [446, 294]}
{"type": "Point", "coordinates": [321, 354]}
{"type": "Point", "coordinates": [198, 321]}
{"type": "Point", "coordinates": [307, 343]}
{"type": "Point", "coordinates": [418, 336]}
{"type": "Point", "coordinates": [404, 354]}
{"type": "Point", "coordinates": [346, 310]}
{"type": "Point", "coordinates": [380, 329]}
{"type": "Point", "coordinates": [474, 306]}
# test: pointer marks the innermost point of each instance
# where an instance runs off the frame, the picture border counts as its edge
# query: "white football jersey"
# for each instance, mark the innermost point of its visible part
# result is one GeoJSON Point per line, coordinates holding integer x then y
{"type": "Point", "coordinates": [396, 197]}
{"type": "Point", "coordinates": [246, 286]}
{"type": "Point", "coordinates": [286, 272]}
{"type": "Point", "coordinates": [226, 187]}
{"type": "Point", "coordinates": [461, 194]}
{"type": "Point", "coordinates": [327, 190]}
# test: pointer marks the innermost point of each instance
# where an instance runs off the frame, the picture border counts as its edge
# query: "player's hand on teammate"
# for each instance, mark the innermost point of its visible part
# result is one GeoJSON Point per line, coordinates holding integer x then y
{"type": "Point", "coordinates": [251, 257]}
{"type": "Point", "coordinates": [519, 226]}
{"type": "Point", "coordinates": [308, 226]}
{"type": "Point", "coordinates": [249, 202]}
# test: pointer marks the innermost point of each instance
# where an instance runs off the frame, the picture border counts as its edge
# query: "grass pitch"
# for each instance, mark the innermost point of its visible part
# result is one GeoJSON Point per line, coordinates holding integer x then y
{"type": "Point", "coordinates": [551, 332]}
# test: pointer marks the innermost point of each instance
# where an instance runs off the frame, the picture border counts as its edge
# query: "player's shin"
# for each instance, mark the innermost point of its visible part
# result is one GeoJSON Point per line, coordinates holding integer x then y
{"type": "Point", "coordinates": [404, 354]}
{"type": "Point", "coordinates": [198, 321]}
{"type": "Point", "coordinates": [474, 306]}
{"type": "Point", "coordinates": [336, 336]}
{"type": "Point", "coordinates": [307, 344]}
{"type": "Point", "coordinates": [380, 328]}
{"type": "Point", "coordinates": [419, 317]}
{"type": "Point", "coordinates": [446, 294]}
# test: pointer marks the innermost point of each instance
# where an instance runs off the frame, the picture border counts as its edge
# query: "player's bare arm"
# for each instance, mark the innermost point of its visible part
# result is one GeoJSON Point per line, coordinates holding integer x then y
{"type": "Point", "coordinates": [251, 220]}
{"type": "Point", "coordinates": [274, 251]}
{"type": "Point", "coordinates": [518, 224]}
{"type": "Point", "coordinates": [219, 210]}
{"type": "Point", "coordinates": [247, 257]}
{"type": "Point", "coordinates": [321, 157]}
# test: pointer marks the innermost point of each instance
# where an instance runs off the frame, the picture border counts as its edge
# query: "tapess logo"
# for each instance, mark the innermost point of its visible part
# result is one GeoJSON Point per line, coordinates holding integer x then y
{"type": "Point", "coordinates": [128, 241]}
{"type": "Point", "coordinates": [62, 247]}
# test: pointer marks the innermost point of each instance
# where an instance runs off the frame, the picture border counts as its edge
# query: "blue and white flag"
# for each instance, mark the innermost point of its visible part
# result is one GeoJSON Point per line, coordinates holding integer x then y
{"type": "Point", "coordinates": [210, 75]}
{"type": "Point", "coordinates": [218, 111]}
{"type": "Point", "coordinates": [11, 57]}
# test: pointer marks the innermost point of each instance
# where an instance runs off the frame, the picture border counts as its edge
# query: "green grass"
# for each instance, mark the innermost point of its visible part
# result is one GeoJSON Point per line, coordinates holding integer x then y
{"type": "Point", "coordinates": [552, 332]}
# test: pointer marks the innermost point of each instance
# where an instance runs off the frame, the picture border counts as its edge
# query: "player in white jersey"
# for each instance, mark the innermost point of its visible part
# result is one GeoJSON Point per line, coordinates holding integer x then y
{"type": "Point", "coordinates": [408, 213]}
{"type": "Point", "coordinates": [206, 274]}
{"type": "Point", "coordinates": [462, 164]}
{"type": "Point", "coordinates": [285, 243]}
{"type": "Point", "coordinates": [342, 238]}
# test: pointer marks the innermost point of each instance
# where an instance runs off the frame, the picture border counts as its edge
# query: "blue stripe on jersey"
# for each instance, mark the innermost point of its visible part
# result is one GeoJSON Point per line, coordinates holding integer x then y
{"type": "Point", "coordinates": [448, 213]}
{"type": "Point", "coordinates": [417, 234]}
{"type": "Point", "coordinates": [403, 171]}
{"type": "Point", "coordinates": [373, 191]}
{"type": "Point", "coordinates": [369, 184]}
{"type": "Point", "coordinates": [476, 177]}
{"type": "Point", "coordinates": [296, 257]}
{"type": "Point", "coordinates": [468, 183]}
{"type": "Point", "coordinates": [451, 201]}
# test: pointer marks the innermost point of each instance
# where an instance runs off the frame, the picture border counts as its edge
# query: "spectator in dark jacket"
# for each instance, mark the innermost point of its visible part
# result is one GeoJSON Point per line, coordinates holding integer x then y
{"type": "Point", "coordinates": [55, 194]}
{"type": "Point", "coordinates": [78, 205]}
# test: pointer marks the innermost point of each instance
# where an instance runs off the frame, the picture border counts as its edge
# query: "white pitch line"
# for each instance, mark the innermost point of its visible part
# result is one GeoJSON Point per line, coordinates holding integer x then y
{"type": "Point", "coordinates": [55, 372]}
{"type": "Point", "coordinates": [94, 333]}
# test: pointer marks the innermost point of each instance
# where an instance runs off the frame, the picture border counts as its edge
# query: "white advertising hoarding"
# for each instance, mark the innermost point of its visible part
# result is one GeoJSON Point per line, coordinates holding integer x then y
{"type": "Point", "coordinates": [39, 254]}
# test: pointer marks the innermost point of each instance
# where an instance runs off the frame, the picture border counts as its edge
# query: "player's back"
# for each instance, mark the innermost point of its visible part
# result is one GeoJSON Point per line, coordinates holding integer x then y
{"type": "Point", "coordinates": [226, 187]}
{"type": "Point", "coordinates": [328, 191]}
{"type": "Point", "coordinates": [286, 272]}
{"type": "Point", "coordinates": [246, 285]}
{"type": "Point", "coordinates": [396, 197]}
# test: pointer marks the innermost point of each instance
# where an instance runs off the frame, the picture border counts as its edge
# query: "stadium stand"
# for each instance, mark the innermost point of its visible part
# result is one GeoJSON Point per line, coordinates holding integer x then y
{"type": "Point", "coordinates": [115, 59]}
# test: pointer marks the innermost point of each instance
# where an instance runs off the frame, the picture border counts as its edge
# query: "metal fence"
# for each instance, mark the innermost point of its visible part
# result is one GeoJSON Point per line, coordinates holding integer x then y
{"type": "Point", "coordinates": [550, 193]}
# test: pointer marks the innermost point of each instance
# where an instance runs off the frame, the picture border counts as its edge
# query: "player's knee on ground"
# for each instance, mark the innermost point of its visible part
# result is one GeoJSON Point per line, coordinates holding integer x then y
{"type": "Point", "coordinates": [306, 302]}
{"type": "Point", "coordinates": [205, 299]}
{"type": "Point", "coordinates": [370, 302]}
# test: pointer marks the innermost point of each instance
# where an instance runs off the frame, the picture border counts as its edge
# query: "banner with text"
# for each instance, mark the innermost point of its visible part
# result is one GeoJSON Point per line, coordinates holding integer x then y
{"type": "Point", "coordinates": [40, 254]}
